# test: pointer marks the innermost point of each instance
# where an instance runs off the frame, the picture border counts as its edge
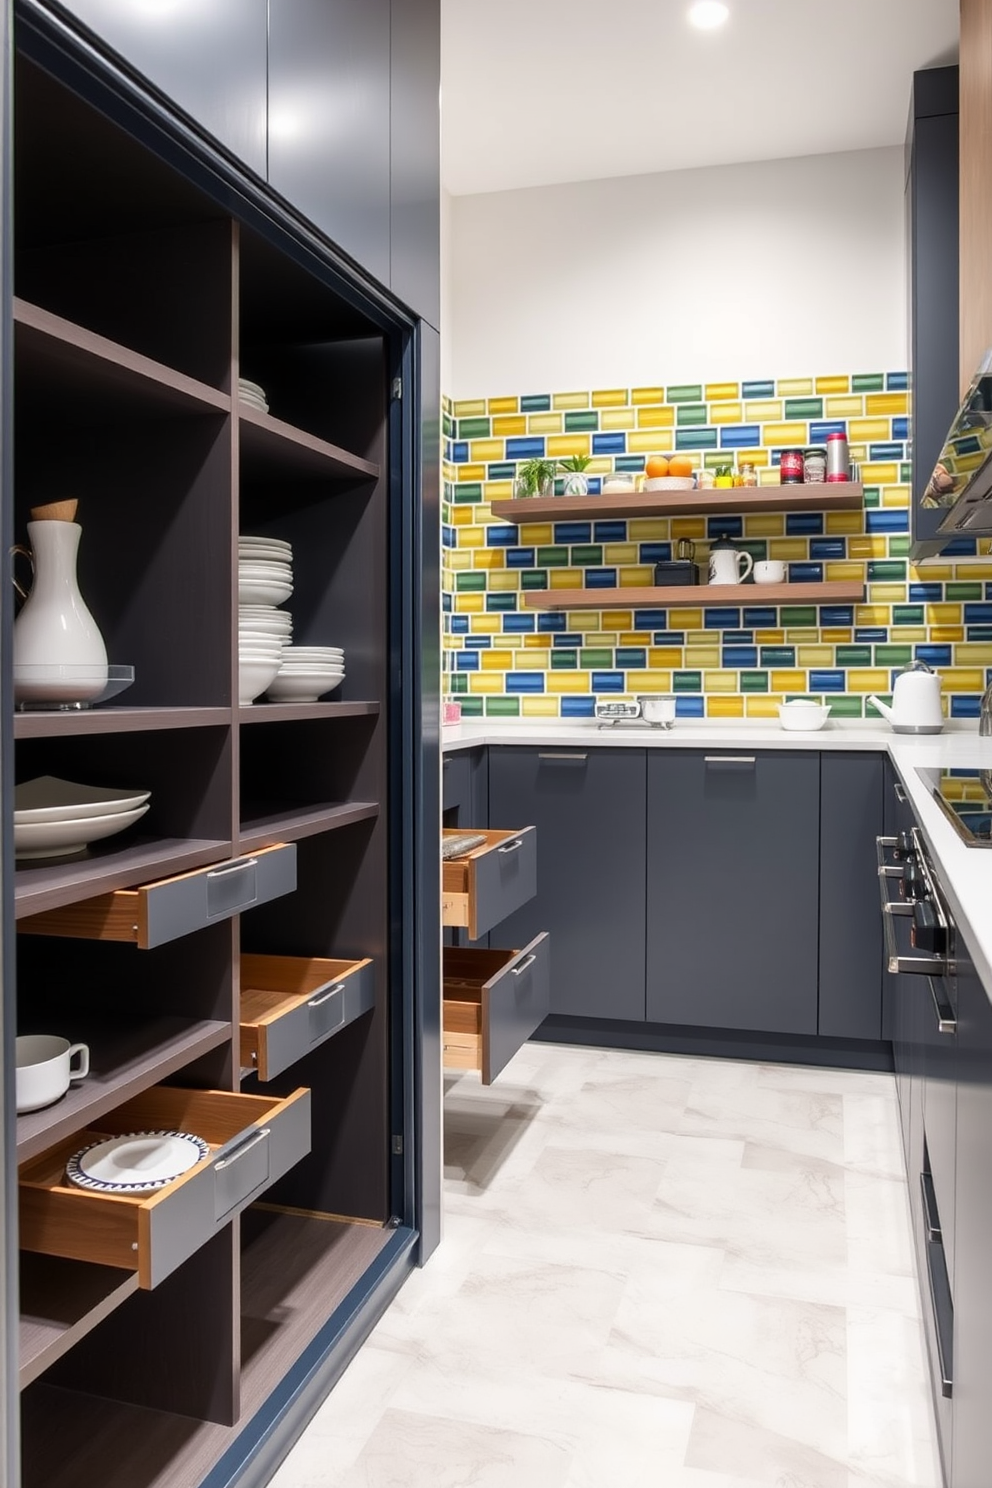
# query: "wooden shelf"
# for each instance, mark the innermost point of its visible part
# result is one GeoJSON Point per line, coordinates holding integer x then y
{"type": "Point", "coordinates": [125, 1059]}
{"type": "Point", "coordinates": [263, 825]}
{"type": "Point", "coordinates": [271, 449]}
{"type": "Point", "coordinates": [292, 712]}
{"type": "Point", "coordinates": [90, 377]}
{"type": "Point", "coordinates": [62, 1301]}
{"type": "Point", "coordinates": [837, 496]}
{"type": "Point", "coordinates": [694, 596]}
{"type": "Point", "coordinates": [116, 721]}
{"type": "Point", "coordinates": [51, 883]}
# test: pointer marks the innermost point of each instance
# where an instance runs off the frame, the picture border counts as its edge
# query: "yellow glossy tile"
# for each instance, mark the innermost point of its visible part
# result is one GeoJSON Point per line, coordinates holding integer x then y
{"type": "Point", "coordinates": [945, 635]}
{"type": "Point", "coordinates": [652, 680]}
{"type": "Point", "coordinates": [647, 395]}
{"type": "Point", "coordinates": [570, 400]}
{"type": "Point", "coordinates": [639, 577]}
{"type": "Point", "coordinates": [973, 571]}
{"type": "Point", "coordinates": [761, 705]}
{"type": "Point", "coordinates": [725, 707]}
{"type": "Point", "coordinates": [650, 442]}
{"type": "Point", "coordinates": [869, 428]}
{"type": "Point", "coordinates": [927, 573]}
{"type": "Point", "coordinates": [539, 707]}
{"type": "Point", "coordinates": [599, 465]}
{"type": "Point", "coordinates": [910, 634]}
{"type": "Point", "coordinates": [664, 656]}
{"type": "Point", "coordinates": [815, 656]}
{"type": "Point", "coordinates": [962, 679]}
{"type": "Point", "coordinates": [472, 537]}
{"type": "Point", "coordinates": [791, 434]}
{"type": "Point", "coordinates": [504, 405]}
{"type": "Point", "coordinates": [726, 413]}
{"type": "Point", "coordinates": [887, 593]}
{"type": "Point", "coordinates": [617, 620]}
{"type": "Point", "coordinates": [484, 450]}
{"type": "Point", "coordinates": [494, 491]}
{"type": "Point", "coordinates": [496, 661]}
{"type": "Point", "coordinates": [648, 529]}
{"type": "Point", "coordinates": [789, 549]}
{"type": "Point", "coordinates": [470, 408]}
{"type": "Point", "coordinates": [510, 425]}
{"type": "Point", "coordinates": [689, 621]}
{"type": "Point", "coordinates": [471, 473]}
{"type": "Point", "coordinates": [536, 534]}
{"type": "Point", "coordinates": [944, 614]}
{"type": "Point", "coordinates": [601, 638]}
{"type": "Point", "coordinates": [461, 516]}
{"type": "Point", "coordinates": [536, 642]}
{"type": "Point", "coordinates": [489, 558]}
{"type": "Point", "coordinates": [769, 637]}
{"type": "Point", "coordinates": [764, 524]}
{"type": "Point", "coordinates": [844, 408]}
{"type": "Point", "coordinates": [562, 682]}
{"type": "Point", "coordinates": [561, 445]}
{"type": "Point", "coordinates": [621, 553]}
{"type": "Point", "coordinates": [612, 419]}
{"type": "Point", "coordinates": [794, 387]}
{"type": "Point", "coordinates": [868, 679]}
{"type": "Point", "coordinates": [891, 404]}
{"type": "Point", "coordinates": [973, 653]}
{"type": "Point", "coordinates": [836, 637]}
{"type": "Point", "coordinates": [694, 527]}
{"type": "Point", "coordinates": [867, 547]}
{"type": "Point", "coordinates": [485, 624]}
{"type": "Point", "coordinates": [656, 418]}
{"type": "Point", "coordinates": [715, 680]}
{"type": "Point", "coordinates": [721, 390]}
{"type": "Point", "coordinates": [833, 385]}
{"type": "Point", "coordinates": [787, 681]}
{"type": "Point", "coordinates": [566, 578]}
{"type": "Point", "coordinates": [634, 638]}
{"type": "Point", "coordinates": [502, 583]}
{"type": "Point", "coordinates": [839, 571]}
{"type": "Point", "coordinates": [528, 661]}
{"type": "Point", "coordinates": [843, 523]}
{"type": "Point", "coordinates": [585, 622]}
{"type": "Point", "coordinates": [545, 423]}
{"type": "Point", "coordinates": [487, 682]}
{"type": "Point", "coordinates": [879, 473]}
{"type": "Point", "coordinates": [769, 477]}
{"type": "Point", "coordinates": [895, 496]}
{"type": "Point", "coordinates": [766, 412]}
{"type": "Point", "coordinates": [805, 635]}
{"type": "Point", "coordinates": [459, 559]}
{"type": "Point", "coordinates": [609, 398]}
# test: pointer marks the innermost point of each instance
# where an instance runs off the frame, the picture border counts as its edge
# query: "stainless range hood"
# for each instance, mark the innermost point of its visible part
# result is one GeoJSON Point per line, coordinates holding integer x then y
{"type": "Point", "coordinates": [962, 478]}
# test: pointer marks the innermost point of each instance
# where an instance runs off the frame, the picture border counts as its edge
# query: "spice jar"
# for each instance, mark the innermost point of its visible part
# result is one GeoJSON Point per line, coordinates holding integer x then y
{"type": "Point", "coordinates": [838, 458]}
{"type": "Point", "coordinates": [791, 467]}
{"type": "Point", "coordinates": [814, 466]}
{"type": "Point", "coordinates": [749, 473]}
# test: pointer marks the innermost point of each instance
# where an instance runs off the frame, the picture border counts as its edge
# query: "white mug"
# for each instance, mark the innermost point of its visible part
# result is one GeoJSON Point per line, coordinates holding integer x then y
{"type": "Point", "coordinates": [44, 1069]}
{"type": "Point", "coordinates": [769, 571]}
{"type": "Point", "coordinates": [725, 565]}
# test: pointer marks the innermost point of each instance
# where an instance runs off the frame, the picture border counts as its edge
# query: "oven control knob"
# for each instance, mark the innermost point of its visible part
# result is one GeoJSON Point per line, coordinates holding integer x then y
{"type": "Point", "coordinates": [928, 934]}
{"type": "Point", "coordinates": [904, 846]}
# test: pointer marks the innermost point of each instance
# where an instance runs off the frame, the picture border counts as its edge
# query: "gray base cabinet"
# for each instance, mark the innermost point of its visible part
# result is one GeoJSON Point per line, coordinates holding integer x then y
{"type": "Point", "coordinates": [851, 794]}
{"type": "Point", "coordinates": [732, 882]}
{"type": "Point", "coordinates": [589, 810]}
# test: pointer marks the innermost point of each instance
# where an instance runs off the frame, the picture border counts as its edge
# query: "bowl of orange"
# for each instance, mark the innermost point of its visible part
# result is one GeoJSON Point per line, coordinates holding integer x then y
{"type": "Point", "coordinates": [668, 473]}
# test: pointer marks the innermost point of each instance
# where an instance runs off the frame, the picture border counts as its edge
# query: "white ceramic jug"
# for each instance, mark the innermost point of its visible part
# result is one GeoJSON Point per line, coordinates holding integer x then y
{"type": "Point", "coordinates": [59, 654]}
{"type": "Point", "coordinates": [725, 563]}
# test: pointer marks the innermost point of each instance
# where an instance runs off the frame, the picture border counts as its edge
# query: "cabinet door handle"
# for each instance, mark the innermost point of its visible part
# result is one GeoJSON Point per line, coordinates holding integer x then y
{"type": "Point", "coordinates": [316, 1002]}
{"type": "Point", "coordinates": [930, 1221]}
{"type": "Point", "coordinates": [239, 1152]}
{"type": "Point", "coordinates": [241, 866]}
{"type": "Point", "coordinates": [900, 791]}
{"type": "Point", "coordinates": [509, 847]}
{"type": "Point", "coordinates": [519, 970]}
{"type": "Point", "coordinates": [565, 759]}
{"type": "Point", "coordinates": [730, 761]}
{"type": "Point", "coordinates": [946, 1021]}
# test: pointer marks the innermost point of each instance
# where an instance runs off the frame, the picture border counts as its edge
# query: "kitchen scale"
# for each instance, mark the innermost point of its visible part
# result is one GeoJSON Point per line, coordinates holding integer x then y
{"type": "Point", "coordinates": [611, 714]}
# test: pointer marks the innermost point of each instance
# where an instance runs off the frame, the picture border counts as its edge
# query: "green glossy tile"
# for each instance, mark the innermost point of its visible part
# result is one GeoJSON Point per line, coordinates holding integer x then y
{"type": "Point", "coordinates": [502, 707]}
{"type": "Point", "coordinates": [905, 474]}
{"type": "Point", "coordinates": [804, 408]}
{"type": "Point", "coordinates": [632, 463]}
{"type": "Point", "coordinates": [470, 582]}
{"type": "Point", "coordinates": [471, 707]}
{"type": "Point", "coordinates": [868, 382]}
{"type": "Point", "coordinates": [535, 403]}
{"type": "Point", "coordinates": [908, 614]}
{"type": "Point", "coordinates": [886, 571]}
{"type": "Point", "coordinates": [534, 578]}
{"type": "Point", "coordinates": [777, 656]}
{"type": "Point", "coordinates": [847, 705]}
{"type": "Point", "coordinates": [474, 428]}
{"type": "Point", "coordinates": [499, 602]}
{"type": "Point", "coordinates": [588, 555]}
{"type": "Point", "coordinates": [581, 421]}
{"type": "Point", "coordinates": [563, 660]}
{"type": "Point", "coordinates": [893, 655]}
{"type": "Point", "coordinates": [853, 656]}
{"type": "Point", "coordinates": [899, 545]}
{"type": "Point", "coordinates": [502, 470]}
{"type": "Point", "coordinates": [691, 392]}
{"type": "Point", "coordinates": [687, 682]}
{"type": "Point", "coordinates": [691, 413]}
{"type": "Point", "coordinates": [754, 681]}
{"type": "Point", "coordinates": [961, 590]}
{"type": "Point", "coordinates": [447, 426]}
{"type": "Point", "coordinates": [873, 497]}
{"type": "Point", "coordinates": [798, 615]}
{"type": "Point", "coordinates": [458, 682]}
{"type": "Point", "coordinates": [596, 657]}
{"type": "Point", "coordinates": [552, 557]}
{"type": "Point", "coordinates": [468, 492]}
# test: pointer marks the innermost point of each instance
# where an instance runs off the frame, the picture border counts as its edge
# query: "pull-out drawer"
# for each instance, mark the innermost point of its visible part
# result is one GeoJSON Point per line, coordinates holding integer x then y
{"type": "Point", "coordinates": [493, 1002]}
{"type": "Point", "coordinates": [253, 1140]}
{"type": "Point", "coordinates": [290, 1004]}
{"type": "Point", "coordinates": [172, 907]}
{"type": "Point", "coordinates": [490, 882]}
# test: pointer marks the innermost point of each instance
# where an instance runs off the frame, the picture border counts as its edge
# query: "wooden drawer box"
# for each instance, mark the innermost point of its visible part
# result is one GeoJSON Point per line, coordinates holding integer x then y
{"type": "Point", "coordinates": [489, 883]}
{"type": "Point", "coordinates": [493, 1002]}
{"type": "Point", "coordinates": [290, 1004]}
{"type": "Point", "coordinates": [172, 907]}
{"type": "Point", "coordinates": [254, 1141]}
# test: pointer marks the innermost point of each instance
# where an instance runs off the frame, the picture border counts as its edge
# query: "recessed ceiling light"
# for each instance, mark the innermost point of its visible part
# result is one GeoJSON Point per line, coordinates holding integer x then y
{"type": "Point", "coordinates": [708, 14]}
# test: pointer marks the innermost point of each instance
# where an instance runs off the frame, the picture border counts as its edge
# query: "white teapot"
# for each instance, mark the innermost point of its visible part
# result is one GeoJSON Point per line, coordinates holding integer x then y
{"type": "Point", "coordinates": [725, 562]}
{"type": "Point", "coordinates": [915, 702]}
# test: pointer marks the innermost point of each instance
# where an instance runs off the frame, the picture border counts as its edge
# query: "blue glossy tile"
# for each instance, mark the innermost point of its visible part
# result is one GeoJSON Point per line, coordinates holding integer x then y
{"type": "Point", "coordinates": [449, 536]}
{"type": "Point", "coordinates": [447, 602]}
{"type": "Point", "coordinates": [739, 656]}
{"type": "Point", "coordinates": [519, 624]}
{"type": "Point", "coordinates": [459, 625]}
{"type": "Point", "coordinates": [740, 436]}
{"type": "Point", "coordinates": [803, 524]}
{"type": "Point", "coordinates": [551, 620]}
{"type": "Point", "coordinates": [965, 706]}
{"type": "Point", "coordinates": [979, 633]}
{"type": "Point", "coordinates": [805, 573]}
{"type": "Point", "coordinates": [608, 682]}
{"type": "Point", "coordinates": [668, 638]}
{"type": "Point", "coordinates": [520, 557]}
{"type": "Point", "coordinates": [738, 638]}
{"type": "Point", "coordinates": [820, 428]}
{"type": "Point", "coordinates": [655, 552]}
{"type": "Point", "coordinates": [527, 447]}
{"type": "Point", "coordinates": [687, 706]}
{"type": "Point", "coordinates": [600, 578]}
{"type": "Point", "coordinates": [525, 681]}
{"type": "Point", "coordinates": [609, 444]}
{"type": "Point", "coordinates": [568, 638]}
{"type": "Point", "coordinates": [573, 532]}
{"type": "Point", "coordinates": [478, 643]}
{"type": "Point", "coordinates": [935, 656]}
{"type": "Point", "coordinates": [897, 382]}
{"type": "Point", "coordinates": [466, 661]}
{"type": "Point", "coordinates": [731, 526]}
{"type": "Point", "coordinates": [900, 429]}
{"type": "Point", "coordinates": [721, 618]}
{"type": "Point", "coordinates": [827, 681]}
{"type": "Point", "coordinates": [888, 451]}
{"type": "Point", "coordinates": [604, 532]}
{"type": "Point", "coordinates": [459, 452]}
{"type": "Point", "coordinates": [499, 536]}
{"type": "Point", "coordinates": [578, 707]}
{"type": "Point", "coordinates": [873, 634]}
{"type": "Point", "coordinates": [929, 593]}
{"type": "Point", "coordinates": [827, 548]}
{"type": "Point", "coordinates": [760, 617]}
{"type": "Point", "coordinates": [977, 614]}
{"type": "Point", "coordinates": [887, 519]}
{"type": "Point", "coordinates": [960, 547]}
{"type": "Point", "coordinates": [650, 619]}
{"type": "Point", "coordinates": [836, 615]}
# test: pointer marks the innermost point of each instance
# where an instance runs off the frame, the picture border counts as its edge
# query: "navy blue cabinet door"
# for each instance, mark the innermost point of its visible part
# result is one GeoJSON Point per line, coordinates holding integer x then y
{"type": "Point", "coordinates": [329, 120]}
{"type": "Point", "coordinates": [851, 795]}
{"type": "Point", "coordinates": [209, 56]}
{"type": "Point", "coordinates": [415, 157]}
{"type": "Point", "coordinates": [589, 808]}
{"type": "Point", "coordinates": [733, 866]}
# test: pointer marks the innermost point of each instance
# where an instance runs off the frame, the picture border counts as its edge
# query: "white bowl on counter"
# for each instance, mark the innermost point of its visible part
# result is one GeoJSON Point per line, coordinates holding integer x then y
{"type": "Point", "coordinates": [803, 714]}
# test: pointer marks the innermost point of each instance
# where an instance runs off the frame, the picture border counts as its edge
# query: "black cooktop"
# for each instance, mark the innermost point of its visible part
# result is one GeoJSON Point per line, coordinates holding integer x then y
{"type": "Point", "coordinates": [965, 797]}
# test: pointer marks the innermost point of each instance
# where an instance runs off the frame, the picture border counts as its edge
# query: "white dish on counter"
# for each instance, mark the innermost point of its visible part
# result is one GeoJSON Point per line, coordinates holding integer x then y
{"type": "Point", "coordinates": [803, 714]}
{"type": "Point", "coordinates": [58, 839]}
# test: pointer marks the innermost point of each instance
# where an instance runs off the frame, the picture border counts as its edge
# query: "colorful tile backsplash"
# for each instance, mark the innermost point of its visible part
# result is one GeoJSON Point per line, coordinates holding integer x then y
{"type": "Point", "coordinates": [504, 660]}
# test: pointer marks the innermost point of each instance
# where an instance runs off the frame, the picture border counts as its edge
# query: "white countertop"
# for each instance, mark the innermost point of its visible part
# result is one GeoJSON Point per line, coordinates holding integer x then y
{"type": "Point", "coordinates": [965, 872]}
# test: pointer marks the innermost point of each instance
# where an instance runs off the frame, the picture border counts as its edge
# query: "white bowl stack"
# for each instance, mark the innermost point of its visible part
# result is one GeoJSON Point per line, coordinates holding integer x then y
{"type": "Point", "coordinates": [265, 581]}
{"type": "Point", "coordinates": [54, 817]}
{"type": "Point", "coordinates": [253, 395]}
{"type": "Point", "coordinates": [306, 673]}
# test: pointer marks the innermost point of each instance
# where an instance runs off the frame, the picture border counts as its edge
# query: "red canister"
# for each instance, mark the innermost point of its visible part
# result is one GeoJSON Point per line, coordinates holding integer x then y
{"type": "Point", "coordinates": [791, 467]}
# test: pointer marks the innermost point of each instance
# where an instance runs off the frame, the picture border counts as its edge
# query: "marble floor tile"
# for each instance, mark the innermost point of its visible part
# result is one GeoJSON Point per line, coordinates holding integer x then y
{"type": "Point", "coordinates": [657, 1272]}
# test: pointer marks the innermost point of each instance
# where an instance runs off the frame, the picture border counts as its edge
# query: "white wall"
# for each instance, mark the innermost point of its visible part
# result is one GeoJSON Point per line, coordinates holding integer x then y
{"type": "Point", "coordinates": [447, 277]}
{"type": "Point", "coordinates": [780, 268]}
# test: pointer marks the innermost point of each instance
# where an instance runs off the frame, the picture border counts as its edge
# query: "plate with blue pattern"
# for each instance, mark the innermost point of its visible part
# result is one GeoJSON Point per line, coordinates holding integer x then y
{"type": "Point", "coordinates": [137, 1162]}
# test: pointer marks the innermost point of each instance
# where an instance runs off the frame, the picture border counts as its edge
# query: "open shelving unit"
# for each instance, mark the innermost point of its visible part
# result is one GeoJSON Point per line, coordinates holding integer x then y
{"type": "Point", "coordinates": [828, 496]}
{"type": "Point", "coordinates": [169, 467]}
{"type": "Point", "coordinates": [695, 596]}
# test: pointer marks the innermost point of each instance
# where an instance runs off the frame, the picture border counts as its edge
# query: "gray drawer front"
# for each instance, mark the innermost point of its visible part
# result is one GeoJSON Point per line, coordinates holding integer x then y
{"type": "Point", "coordinates": [514, 1004]}
{"type": "Point", "coordinates": [505, 878]}
{"type": "Point", "coordinates": [241, 1170]}
{"type": "Point", "coordinates": [181, 905]}
{"type": "Point", "coordinates": [331, 1008]}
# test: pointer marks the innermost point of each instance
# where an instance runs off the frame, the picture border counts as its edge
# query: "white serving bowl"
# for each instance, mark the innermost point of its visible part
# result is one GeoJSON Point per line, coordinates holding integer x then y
{"type": "Point", "coordinates": [268, 592]}
{"type": "Point", "coordinates": [803, 714]}
{"type": "Point", "coordinates": [304, 687]}
{"type": "Point", "coordinates": [314, 653]}
{"type": "Point", "coordinates": [669, 483]}
{"type": "Point", "coordinates": [50, 799]}
{"type": "Point", "coordinates": [254, 676]}
{"type": "Point", "coordinates": [279, 573]}
{"type": "Point", "coordinates": [57, 839]}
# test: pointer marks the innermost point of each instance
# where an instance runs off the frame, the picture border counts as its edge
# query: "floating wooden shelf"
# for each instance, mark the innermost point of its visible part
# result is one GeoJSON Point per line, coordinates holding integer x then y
{"type": "Point", "coordinates": [695, 596]}
{"type": "Point", "coordinates": [262, 826]}
{"type": "Point", "coordinates": [837, 496]}
{"type": "Point", "coordinates": [273, 449]}
{"type": "Point", "coordinates": [292, 712]}
{"type": "Point", "coordinates": [116, 721]}
{"type": "Point", "coordinates": [51, 883]}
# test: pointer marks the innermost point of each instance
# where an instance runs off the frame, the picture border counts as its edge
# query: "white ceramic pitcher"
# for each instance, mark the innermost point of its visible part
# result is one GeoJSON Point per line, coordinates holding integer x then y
{"type": "Point", "coordinates": [54, 629]}
{"type": "Point", "coordinates": [725, 563]}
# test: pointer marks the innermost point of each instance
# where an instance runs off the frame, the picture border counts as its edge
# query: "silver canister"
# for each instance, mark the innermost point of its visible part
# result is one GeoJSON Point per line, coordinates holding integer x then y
{"type": "Point", "coordinates": [814, 466]}
{"type": "Point", "coordinates": [838, 458]}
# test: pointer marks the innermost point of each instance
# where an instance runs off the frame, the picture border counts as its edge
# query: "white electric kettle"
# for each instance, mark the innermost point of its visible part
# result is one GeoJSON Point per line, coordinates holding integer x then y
{"type": "Point", "coordinates": [915, 702]}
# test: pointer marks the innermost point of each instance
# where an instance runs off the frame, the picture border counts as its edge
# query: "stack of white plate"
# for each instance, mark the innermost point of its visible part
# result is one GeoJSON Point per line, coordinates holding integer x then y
{"type": "Point", "coordinates": [54, 817]}
{"type": "Point", "coordinates": [307, 673]}
{"type": "Point", "coordinates": [252, 394]}
{"type": "Point", "coordinates": [265, 581]}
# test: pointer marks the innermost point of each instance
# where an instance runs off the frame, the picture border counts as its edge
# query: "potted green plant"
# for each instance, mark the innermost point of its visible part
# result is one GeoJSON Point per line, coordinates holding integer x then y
{"type": "Point", "coordinates": [535, 478]}
{"type": "Point", "coordinates": [724, 475]}
{"type": "Point", "coordinates": [576, 480]}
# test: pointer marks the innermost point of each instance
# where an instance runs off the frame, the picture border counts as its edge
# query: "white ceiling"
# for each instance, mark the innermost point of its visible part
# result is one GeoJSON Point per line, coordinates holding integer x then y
{"type": "Point", "coordinates": [540, 91]}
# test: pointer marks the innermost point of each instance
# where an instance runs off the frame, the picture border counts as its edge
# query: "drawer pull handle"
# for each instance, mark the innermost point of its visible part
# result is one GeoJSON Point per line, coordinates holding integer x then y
{"type": "Point", "coordinates": [239, 1152]}
{"type": "Point", "coordinates": [519, 970]}
{"type": "Point", "coordinates": [728, 759]}
{"type": "Point", "coordinates": [578, 759]}
{"type": "Point", "coordinates": [900, 791]}
{"type": "Point", "coordinates": [317, 1002]}
{"type": "Point", "coordinates": [930, 1222]}
{"type": "Point", "coordinates": [240, 866]}
{"type": "Point", "coordinates": [509, 847]}
{"type": "Point", "coordinates": [946, 1020]}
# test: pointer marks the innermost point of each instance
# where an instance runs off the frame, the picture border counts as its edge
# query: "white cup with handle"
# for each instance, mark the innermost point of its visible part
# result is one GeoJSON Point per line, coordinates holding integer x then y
{"type": "Point", "coordinates": [769, 571]}
{"type": "Point", "coordinates": [45, 1069]}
